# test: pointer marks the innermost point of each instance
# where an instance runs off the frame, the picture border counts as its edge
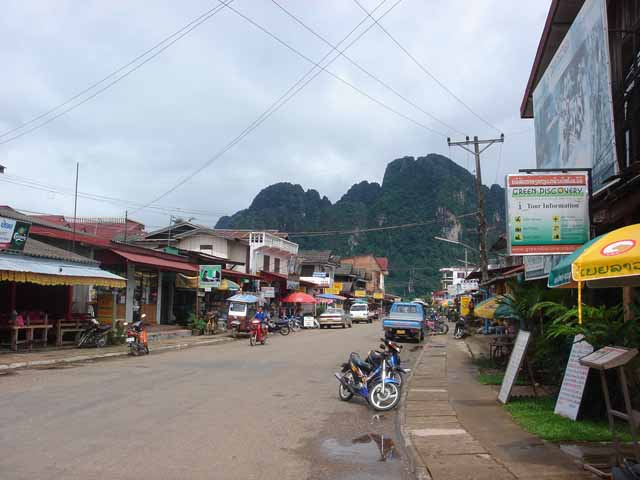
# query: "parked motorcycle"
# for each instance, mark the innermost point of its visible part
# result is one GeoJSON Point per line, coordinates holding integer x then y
{"type": "Point", "coordinates": [137, 337]}
{"type": "Point", "coordinates": [627, 471]}
{"type": "Point", "coordinates": [257, 333]}
{"type": "Point", "coordinates": [436, 326]}
{"type": "Point", "coordinates": [281, 326]}
{"type": "Point", "coordinates": [393, 350]}
{"type": "Point", "coordinates": [460, 329]}
{"type": "Point", "coordinates": [94, 335]}
{"type": "Point", "coordinates": [374, 383]}
{"type": "Point", "coordinates": [295, 323]}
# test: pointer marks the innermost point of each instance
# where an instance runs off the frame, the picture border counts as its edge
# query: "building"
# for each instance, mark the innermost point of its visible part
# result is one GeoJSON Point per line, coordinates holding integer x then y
{"type": "Point", "coordinates": [454, 281]}
{"type": "Point", "coordinates": [317, 267]}
{"type": "Point", "coordinates": [375, 270]}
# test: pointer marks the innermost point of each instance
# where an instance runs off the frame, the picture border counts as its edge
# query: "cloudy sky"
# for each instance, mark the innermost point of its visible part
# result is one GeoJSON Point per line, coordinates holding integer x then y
{"type": "Point", "coordinates": [148, 132]}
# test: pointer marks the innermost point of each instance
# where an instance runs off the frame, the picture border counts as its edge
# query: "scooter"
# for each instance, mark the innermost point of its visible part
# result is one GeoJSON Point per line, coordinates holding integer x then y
{"type": "Point", "coordinates": [393, 358]}
{"type": "Point", "coordinates": [460, 330]}
{"type": "Point", "coordinates": [258, 333]}
{"type": "Point", "coordinates": [437, 327]}
{"type": "Point", "coordinates": [95, 335]}
{"type": "Point", "coordinates": [373, 383]}
{"type": "Point", "coordinates": [281, 326]}
{"type": "Point", "coordinates": [137, 337]}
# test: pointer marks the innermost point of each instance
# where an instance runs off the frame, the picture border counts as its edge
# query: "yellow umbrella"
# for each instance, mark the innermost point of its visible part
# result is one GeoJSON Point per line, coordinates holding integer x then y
{"type": "Point", "coordinates": [487, 308]}
{"type": "Point", "coordinates": [613, 260]}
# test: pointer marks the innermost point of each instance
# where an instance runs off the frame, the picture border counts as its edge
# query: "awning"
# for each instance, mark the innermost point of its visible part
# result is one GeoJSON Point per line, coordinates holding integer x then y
{"type": "Point", "coordinates": [331, 296]}
{"type": "Point", "coordinates": [16, 268]}
{"type": "Point", "coordinates": [173, 265]}
{"type": "Point", "coordinates": [273, 277]}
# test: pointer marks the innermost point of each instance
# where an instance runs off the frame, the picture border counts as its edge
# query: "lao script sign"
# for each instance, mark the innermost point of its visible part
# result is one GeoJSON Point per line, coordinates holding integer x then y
{"type": "Point", "coordinates": [210, 276]}
{"type": "Point", "coordinates": [547, 213]}
{"type": "Point", "coordinates": [515, 362]}
{"type": "Point", "coordinates": [574, 381]}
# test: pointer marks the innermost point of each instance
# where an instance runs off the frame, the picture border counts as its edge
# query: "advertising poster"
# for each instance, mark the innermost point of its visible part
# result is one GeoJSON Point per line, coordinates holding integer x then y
{"type": "Point", "coordinates": [464, 305]}
{"type": "Point", "coordinates": [13, 234]}
{"type": "Point", "coordinates": [547, 214]}
{"type": "Point", "coordinates": [268, 292]}
{"type": "Point", "coordinates": [515, 363]}
{"type": "Point", "coordinates": [210, 276]}
{"type": "Point", "coordinates": [360, 293]}
{"type": "Point", "coordinates": [572, 103]}
{"type": "Point", "coordinates": [574, 381]}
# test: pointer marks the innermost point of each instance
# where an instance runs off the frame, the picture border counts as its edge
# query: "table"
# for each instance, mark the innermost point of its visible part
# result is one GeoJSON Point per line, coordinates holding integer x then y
{"type": "Point", "coordinates": [29, 337]}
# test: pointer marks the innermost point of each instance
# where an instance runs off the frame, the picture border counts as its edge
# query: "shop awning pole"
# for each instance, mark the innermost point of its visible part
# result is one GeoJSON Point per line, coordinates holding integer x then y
{"type": "Point", "coordinates": [579, 302]}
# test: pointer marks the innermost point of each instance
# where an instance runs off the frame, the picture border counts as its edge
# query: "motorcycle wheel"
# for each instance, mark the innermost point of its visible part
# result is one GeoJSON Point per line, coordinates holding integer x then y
{"type": "Point", "coordinates": [253, 339]}
{"type": "Point", "coordinates": [384, 397]}
{"type": "Point", "coordinates": [133, 348]}
{"type": "Point", "coordinates": [101, 342]}
{"type": "Point", "coordinates": [397, 376]}
{"type": "Point", "coordinates": [285, 330]}
{"type": "Point", "coordinates": [344, 393]}
{"type": "Point", "coordinates": [444, 329]}
{"type": "Point", "coordinates": [295, 326]}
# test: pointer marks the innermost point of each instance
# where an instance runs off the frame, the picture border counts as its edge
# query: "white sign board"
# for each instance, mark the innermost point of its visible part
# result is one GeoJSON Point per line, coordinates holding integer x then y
{"type": "Point", "coordinates": [268, 292]}
{"type": "Point", "coordinates": [308, 321]}
{"type": "Point", "coordinates": [547, 214]}
{"type": "Point", "coordinates": [574, 381]}
{"type": "Point", "coordinates": [515, 362]}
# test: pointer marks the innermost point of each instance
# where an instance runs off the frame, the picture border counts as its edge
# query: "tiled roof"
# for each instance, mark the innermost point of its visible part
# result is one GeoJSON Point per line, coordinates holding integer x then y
{"type": "Point", "coordinates": [8, 212]}
{"type": "Point", "coordinates": [383, 262]}
{"type": "Point", "coordinates": [36, 248]}
{"type": "Point", "coordinates": [346, 269]}
{"type": "Point", "coordinates": [315, 256]}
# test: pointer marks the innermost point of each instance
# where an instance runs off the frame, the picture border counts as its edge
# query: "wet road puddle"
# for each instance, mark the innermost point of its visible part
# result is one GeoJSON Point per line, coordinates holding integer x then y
{"type": "Point", "coordinates": [598, 454]}
{"type": "Point", "coordinates": [6, 373]}
{"type": "Point", "coordinates": [367, 448]}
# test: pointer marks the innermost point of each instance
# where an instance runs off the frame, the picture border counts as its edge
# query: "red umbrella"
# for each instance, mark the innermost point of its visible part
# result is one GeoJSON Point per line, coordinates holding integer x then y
{"type": "Point", "coordinates": [299, 297]}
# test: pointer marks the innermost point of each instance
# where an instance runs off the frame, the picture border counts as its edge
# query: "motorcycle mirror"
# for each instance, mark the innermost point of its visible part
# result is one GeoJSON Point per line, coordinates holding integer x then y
{"type": "Point", "coordinates": [144, 315]}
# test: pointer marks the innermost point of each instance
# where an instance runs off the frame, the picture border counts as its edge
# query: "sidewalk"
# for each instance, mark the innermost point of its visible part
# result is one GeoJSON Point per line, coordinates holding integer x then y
{"type": "Point", "coordinates": [455, 428]}
{"type": "Point", "coordinates": [53, 355]}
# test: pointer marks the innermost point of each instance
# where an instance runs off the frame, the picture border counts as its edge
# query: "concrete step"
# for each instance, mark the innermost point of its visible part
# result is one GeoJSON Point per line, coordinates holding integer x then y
{"type": "Point", "coordinates": [162, 334]}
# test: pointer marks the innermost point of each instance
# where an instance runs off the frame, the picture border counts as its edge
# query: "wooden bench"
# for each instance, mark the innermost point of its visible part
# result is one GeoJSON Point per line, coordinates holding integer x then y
{"type": "Point", "coordinates": [63, 327]}
{"type": "Point", "coordinates": [14, 335]}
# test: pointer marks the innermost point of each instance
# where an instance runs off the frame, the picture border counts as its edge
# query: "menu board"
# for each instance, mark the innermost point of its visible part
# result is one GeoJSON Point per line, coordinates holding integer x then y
{"type": "Point", "coordinates": [574, 381]}
{"type": "Point", "coordinates": [515, 362]}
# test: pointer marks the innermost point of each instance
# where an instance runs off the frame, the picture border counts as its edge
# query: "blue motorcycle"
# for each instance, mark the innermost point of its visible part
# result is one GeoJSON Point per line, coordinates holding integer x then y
{"type": "Point", "coordinates": [374, 383]}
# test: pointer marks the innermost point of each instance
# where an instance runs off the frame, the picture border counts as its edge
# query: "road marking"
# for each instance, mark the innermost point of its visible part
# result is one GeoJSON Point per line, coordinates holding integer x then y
{"type": "Point", "coordinates": [432, 390]}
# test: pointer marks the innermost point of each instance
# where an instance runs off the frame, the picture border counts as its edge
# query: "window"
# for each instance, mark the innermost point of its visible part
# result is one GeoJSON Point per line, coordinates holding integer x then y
{"type": "Point", "coordinates": [406, 309]}
{"type": "Point", "coordinates": [276, 265]}
{"type": "Point", "coordinates": [206, 247]}
{"type": "Point", "coordinates": [266, 260]}
{"type": "Point", "coordinates": [461, 275]}
{"type": "Point", "coordinates": [359, 308]}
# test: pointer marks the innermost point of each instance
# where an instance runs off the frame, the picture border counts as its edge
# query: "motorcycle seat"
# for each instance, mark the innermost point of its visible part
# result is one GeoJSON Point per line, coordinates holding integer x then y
{"type": "Point", "coordinates": [104, 328]}
{"type": "Point", "coordinates": [358, 362]}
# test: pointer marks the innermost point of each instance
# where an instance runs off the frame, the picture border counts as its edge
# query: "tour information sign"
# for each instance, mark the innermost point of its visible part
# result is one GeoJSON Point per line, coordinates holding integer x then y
{"type": "Point", "coordinates": [547, 213]}
{"type": "Point", "coordinates": [515, 362]}
{"type": "Point", "coordinates": [574, 381]}
{"type": "Point", "coordinates": [210, 276]}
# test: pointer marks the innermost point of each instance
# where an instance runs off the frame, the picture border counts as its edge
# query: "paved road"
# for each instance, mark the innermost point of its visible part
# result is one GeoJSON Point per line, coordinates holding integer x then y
{"type": "Point", "coordinates": [229, 411]}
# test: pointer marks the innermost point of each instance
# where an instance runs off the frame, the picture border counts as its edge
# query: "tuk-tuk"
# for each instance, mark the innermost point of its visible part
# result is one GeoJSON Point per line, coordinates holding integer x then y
{"type": "Point", "coordinates": [242, 308]}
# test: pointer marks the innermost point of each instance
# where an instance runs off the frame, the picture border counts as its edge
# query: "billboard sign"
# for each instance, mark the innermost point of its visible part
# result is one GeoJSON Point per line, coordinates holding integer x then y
{"type": "Point", "coordinates": [13, 234]}
{"type": "Point", "coordinates": [268, 292]}
{"type": "Point", "coordinates": [572, 103]}
{"type": "Point", "coordinates": [210, 276]}
{"type": "Point", "coordinates": [360, 293]}
{"type": "Point", "coordinates": [547, 214]}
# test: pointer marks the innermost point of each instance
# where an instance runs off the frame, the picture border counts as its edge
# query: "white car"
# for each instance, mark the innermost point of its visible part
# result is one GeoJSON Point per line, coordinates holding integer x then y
{"type": "Point", "coordinates": [360, 313]}
{"type": "Point", "coordinates": [334, 316]}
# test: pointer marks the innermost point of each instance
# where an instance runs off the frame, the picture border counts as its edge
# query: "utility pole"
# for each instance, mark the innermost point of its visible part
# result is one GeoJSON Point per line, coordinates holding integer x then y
{"type": "Point", "coordinates": [482, 222]}
{"type": "Point", "coordinates": [75, 209]}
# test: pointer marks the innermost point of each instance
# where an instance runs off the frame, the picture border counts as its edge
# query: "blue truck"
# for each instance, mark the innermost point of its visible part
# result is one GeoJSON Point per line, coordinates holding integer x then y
{"type": "Point", "coordinates": [406, 320]}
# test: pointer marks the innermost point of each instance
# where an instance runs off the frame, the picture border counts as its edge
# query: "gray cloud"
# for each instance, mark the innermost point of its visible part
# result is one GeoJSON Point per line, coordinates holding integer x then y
{"type": "Point", "coordinates": [139, 138]}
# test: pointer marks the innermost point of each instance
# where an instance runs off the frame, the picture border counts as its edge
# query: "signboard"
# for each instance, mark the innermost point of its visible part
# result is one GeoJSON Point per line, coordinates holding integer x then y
{"type": "Point", "coordinates": [360, 293]}
{"type": "Point", "coordinates": [515, 362]}
{"type": "Point", "coordinates": [332, 291]}
{"type": "Point", "coordinates": [13, 234]}
{"type": "Point", "coordinates": [572, 103]}
{"type": "Point", "coordinates": [378, 295]}
{"type": "Point", "coordinates": [464, 305]}
{"type": "Point", "coordinates": [609, 357]}
{"type": "Point", "coordinates": [574, 381]}
{"type": "Point", "coordinates": [308, 321]}
{"type": "Point", "coordinates": [210, 276]}
{"type": "Point", "coordinates": [292, 285]}
{"type": "Point", "coordinates": [547, 213]}
{"type": "Point", "coordinates": [106, 302]}
{"type": "Point", "coordinates": [268, 292]}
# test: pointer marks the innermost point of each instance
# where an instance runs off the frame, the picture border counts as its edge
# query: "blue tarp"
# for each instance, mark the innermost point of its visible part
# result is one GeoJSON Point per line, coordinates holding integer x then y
{"type": "Point", "coordinates": [242, 298]}
{"type": "Point", "coordinates": [330, 296]}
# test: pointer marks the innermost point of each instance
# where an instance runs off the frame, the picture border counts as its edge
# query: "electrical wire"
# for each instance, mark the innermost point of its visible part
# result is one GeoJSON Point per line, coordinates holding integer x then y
{"type": "Point", "coordinates": [363, 70]}
{"type": "Point", "coordinates": [373, 229]}
{"type": "Point", "coordinates": [293, 90]}
{"type": "Point", "coordinates": [184, 31]}
{"type": "Point", "coordinates": [427, 72]}
{"type": "Point", "coordinates": [21, 181]}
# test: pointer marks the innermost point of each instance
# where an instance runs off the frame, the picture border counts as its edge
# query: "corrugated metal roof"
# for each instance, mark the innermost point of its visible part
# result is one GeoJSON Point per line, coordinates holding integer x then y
{"type": "Point", "coordinates": [36, 248]}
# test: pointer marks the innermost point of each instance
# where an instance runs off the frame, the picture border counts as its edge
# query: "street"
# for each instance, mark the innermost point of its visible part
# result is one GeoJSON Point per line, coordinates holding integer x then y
{"type": "Point", "coordinates": [229, 411]}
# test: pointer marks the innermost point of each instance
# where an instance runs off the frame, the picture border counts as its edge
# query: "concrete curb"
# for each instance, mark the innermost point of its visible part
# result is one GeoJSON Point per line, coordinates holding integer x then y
{"type": "Point", "coordinates": [416, 465]}
{"type": "Point", "coordinates": [125, 353]}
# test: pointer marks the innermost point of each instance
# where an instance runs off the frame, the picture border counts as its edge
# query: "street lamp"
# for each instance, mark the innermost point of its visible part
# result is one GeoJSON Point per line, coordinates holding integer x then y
{"type": "Point", "coordinates": [466, 247]}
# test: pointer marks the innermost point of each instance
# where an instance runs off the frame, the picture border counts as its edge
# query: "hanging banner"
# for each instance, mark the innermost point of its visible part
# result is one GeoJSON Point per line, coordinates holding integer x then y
{"type": "Point", "coordinates": [464, 305]}
{"type": "Point", "coordinates": [210, 276]}
{"type": "Point", "coordinates": [547, 214]}
{"type": "Point", "coordinates": [574, 381]}
{"type": "Point", "coordinates": [13, 234]}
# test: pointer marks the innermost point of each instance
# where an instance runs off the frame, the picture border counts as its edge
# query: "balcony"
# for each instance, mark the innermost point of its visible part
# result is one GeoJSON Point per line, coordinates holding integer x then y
{"type": "Point", "coordinates": [272, 244]}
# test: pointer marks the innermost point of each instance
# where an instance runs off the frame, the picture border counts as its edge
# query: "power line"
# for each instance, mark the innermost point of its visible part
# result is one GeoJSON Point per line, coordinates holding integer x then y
{"type": "Point", "coordinates": [291, 92]}
{"type": "Point", "coordinates": [363, 70]}
{"type": "Point", "coordinates": [184, 31]}
{"type": "Point", "coordinates": [21, 181]}
{"type": "Point", "coordinates": [325, 233]}
{"type": "Point", "coordinates": [427, 72]}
